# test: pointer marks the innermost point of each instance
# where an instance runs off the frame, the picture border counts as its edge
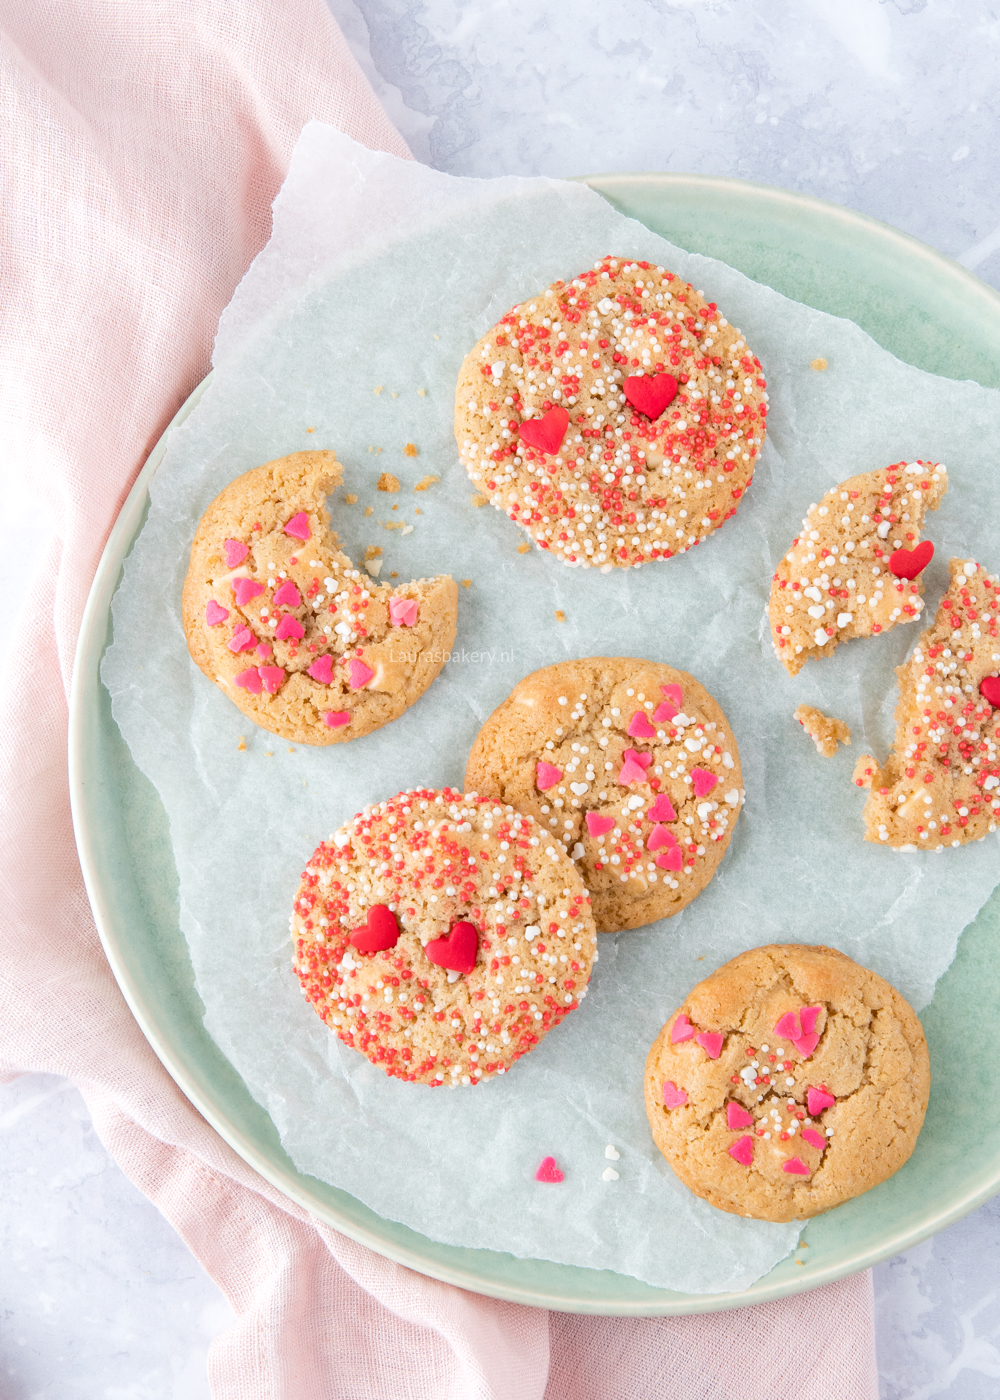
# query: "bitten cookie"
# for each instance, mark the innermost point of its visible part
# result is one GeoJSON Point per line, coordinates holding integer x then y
{"type": "Point", "coordinates": [631, 765]}
{"type": "Point", "coordinates": [442, 935]}
{"type": "Point", "coordinates": [854, 570]}
{"type": "Point", "coordinates": [306, 645]}
{"type": "Point", "coordinates": [616, 418]}
{"type": "Point", "coordinates": [790, 1081]}
{"type": "Point", "coordinates": [941, 784]}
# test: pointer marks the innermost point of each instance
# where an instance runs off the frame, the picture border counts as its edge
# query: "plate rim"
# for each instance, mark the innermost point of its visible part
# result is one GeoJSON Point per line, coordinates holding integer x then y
{"type": "Point", "coordinates": [293, 1184]}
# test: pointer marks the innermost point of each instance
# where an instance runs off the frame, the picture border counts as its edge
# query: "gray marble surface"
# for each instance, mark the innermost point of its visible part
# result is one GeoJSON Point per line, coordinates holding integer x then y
{"type": "Point", "coordinates": [890, 106]}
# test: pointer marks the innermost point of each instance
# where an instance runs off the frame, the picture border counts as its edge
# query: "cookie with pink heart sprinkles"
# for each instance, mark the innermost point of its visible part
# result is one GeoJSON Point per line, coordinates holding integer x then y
{"type": "Point", "coordinates": [631, 766]}
{"type": "Point", "coordinates": [442, 935]}
{"type": "Point", "coordinates": [306, 645]}
{"type": "Point", "coordinates": [789, 1081]}
{"type": "Point", "coordinates": [617, 418]}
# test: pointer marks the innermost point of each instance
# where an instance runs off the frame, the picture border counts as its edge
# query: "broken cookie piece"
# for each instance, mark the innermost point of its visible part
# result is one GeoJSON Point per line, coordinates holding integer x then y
{"type": "Point", "coordinates": [854, 568]}
{"type": "Point", "coordinates": [825, 732]}
{"type": "Point", "coordinates": [941, 784]}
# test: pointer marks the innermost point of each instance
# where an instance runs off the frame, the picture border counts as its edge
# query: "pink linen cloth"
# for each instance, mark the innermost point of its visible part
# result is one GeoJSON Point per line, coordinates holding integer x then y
{"type": "Point", "coordinates": [144, 143]}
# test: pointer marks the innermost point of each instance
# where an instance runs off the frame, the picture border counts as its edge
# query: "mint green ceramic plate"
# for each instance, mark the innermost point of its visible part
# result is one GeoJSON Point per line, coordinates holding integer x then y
{"type": "Point", "coordinates": [927, 310]}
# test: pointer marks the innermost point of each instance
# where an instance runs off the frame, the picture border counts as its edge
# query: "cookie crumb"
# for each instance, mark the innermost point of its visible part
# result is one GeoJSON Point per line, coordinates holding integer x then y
{"type": "Point", "coordinates": [388, 482]}
{"type": "Point", "coordinates": [417, 510]}
{"type": "Point", "coordinates": [800, 1261]}
{"type": "Point", "coordinates": [242, 745]}
{"type": "Point", "coordinates": [524, 549]}
{"type": "Point", "coordinates": [422, 393]}
{"type": "Point", "coordinates": [378, 389]}
{"type": "Point", "coordinates": [437, 337]}
{"type": "Point", "coordinates": [560, 615]}
{"type": "Point", "coordinates": [369, 510]}
{"type": "Point", "coordinates": [310, 430]}
{"type": "Point", "coordinates": [410, 449]}
{"type": "Point", "coordinates": [395, 396]}
{"type": "Point", "coordinates": [351, 500]}
{"type": "Point", "coordinates": [817, 364]}
{"type": "Point", "coordinates": [290, 749]}
{"type": "Point", "coordinates": [467, 583]}
{"type": "Point", "coordinates": [823, 730]}
{"type": "Point", "coordinates": [478, 500]}
{"type": "Point", "coordinates": [427, 481]}
{"type": "Point", "coordinates": [268, 753]}
{"type": "Point", "coordinates": [865, 771]}
{"type": "Point", "coordinates": [394, 574]}
{"type": "Point", "coordinates": [372, 552]}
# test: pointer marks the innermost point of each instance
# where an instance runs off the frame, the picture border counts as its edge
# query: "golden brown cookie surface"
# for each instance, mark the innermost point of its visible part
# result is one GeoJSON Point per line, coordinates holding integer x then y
{"type": "Point", "coordinates": [854, 569]}
{"type": "Point", "coordinates": [306, 645]}
{"type": "Point", "coordinates": [617, 418]}
{"type": "Point", "coordinates": [941, 784]}
{"type": "Point", "coordinates": [442, 935]}
{"type": "Point", "coordinates": [825, 731]}
{"type": "Point", "coordinates": [632, 765]}
{"type": "Point", "coordinates": [790, 1080]}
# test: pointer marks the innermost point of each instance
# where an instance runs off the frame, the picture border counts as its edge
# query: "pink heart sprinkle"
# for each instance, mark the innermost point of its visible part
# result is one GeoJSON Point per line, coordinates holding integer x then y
{"type": "Point", "coordinates": [403, 611]}
{"type": "Point", "coordinates": [546, 776]}
{"type": "Point", "coordinates": [711, 1043]}
{"type": "Point", "coordinates": [548, 1171]}
{"type": "Point", "coordinates": [245, 589]}
{"type": "Point", "coordinates": [674, 694]}
{"type": "Point", "coordinates": [360, 673]}
{"type": "Point", "coordinates": [662, 810]}
{"type": "Point", "coordinates": [672, 1096]}
{"type": "Point", "coordinates": [742, 1150]}
{"type": "Point", "coordinates": [264, 649]}
{"type": "Point", "coordinates": [682, 1029]}
{"type": "Point", "coordinates": [665, 711]}
{"type": "Point", "coordinates": [249, 680]}
{"type": "Point", "coordinates": [814, 1139]}
{"type": "Point", "coordinates": [808, 1016]}
{"type": "Point", "coordinates": [817, 1100]}
{"type": "Point", "coordinates": [703, 781]}
{"type": "Point", "coordinates": [640, 728]}
{"type": "Point", "coordinates": [215, 613]}
{"type": "Point", "coordinates": [241, 639]}
{"type": "Point", "coordinates": [336, 719]}
{"type": "Point", "coordinates": [643, 759]}
{"type": "Point", "coordinates": [660, 836]}
{"type": "Point", "coordinates": [806, 1044]}
{"type": "Point", "coordinates": [737, 1116]}
{"type": "Point", "coordinates": [672, 859]}
{"type": "Point", "coordinates": [298, 526]}
{"type": "Point", "coordinates": [631, 773]}
{"type": "Point", "coordinates": [598, 825]}
{"type": "Point", "coordinates": [288, 596]}
{"type": "Point", "coordinates": [796, 1166]}
{"type": "Point", "coordinates": [322, 670]}
{"type": "Point", "coordinates": [272, 676]}
{"type": "Point", "coordinates": [289, 626]}
{"type": "Point", "coordinates": [788, 1027]}
{"type": "Point", "coordinates": [235, 553]}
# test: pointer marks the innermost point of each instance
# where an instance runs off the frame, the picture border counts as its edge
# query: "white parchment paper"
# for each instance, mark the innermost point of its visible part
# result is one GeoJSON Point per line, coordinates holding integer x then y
{"type": "Point", "coordinates": [383, 273]}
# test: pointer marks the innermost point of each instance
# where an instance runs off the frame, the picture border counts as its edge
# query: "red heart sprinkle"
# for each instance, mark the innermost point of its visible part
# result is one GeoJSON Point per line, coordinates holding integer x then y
{"type": "Point", "coordinates": [650, 394]}
{"type": "Point", "coordinates": [548, 1171]}
{"type": "Point", "coordinates": [380, 932]}
{"type": "Point", "coordinates": [458, 951]}
{"type": "Point", "coordinates": [989, 689]}
{"type": "Point", "coordinates": [907, 563]}
{"type": "Point", "coordinates": [545, 434]}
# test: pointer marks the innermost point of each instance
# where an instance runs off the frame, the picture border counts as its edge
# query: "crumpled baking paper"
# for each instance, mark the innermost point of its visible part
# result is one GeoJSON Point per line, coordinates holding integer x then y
{"type": "Point", "coordinates": [348, 332]}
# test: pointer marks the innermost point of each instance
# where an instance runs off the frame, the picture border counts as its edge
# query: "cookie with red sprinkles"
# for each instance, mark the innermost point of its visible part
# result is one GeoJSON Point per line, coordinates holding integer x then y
{"type": "Point", "coordinates": [617, 418]}
{"type": "Point", "coordinates": [941, 784]}
{"type": "Point", "coordinates": [442, 935]}
{"type": "Point", "coordinates": [790, 1081]}
{"type": "Point", "coordinates": [307, 646]}
{"type": "Point", "coordinates": [855, 568]}
{"type": "Point", "coordinates": [631, 765]}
